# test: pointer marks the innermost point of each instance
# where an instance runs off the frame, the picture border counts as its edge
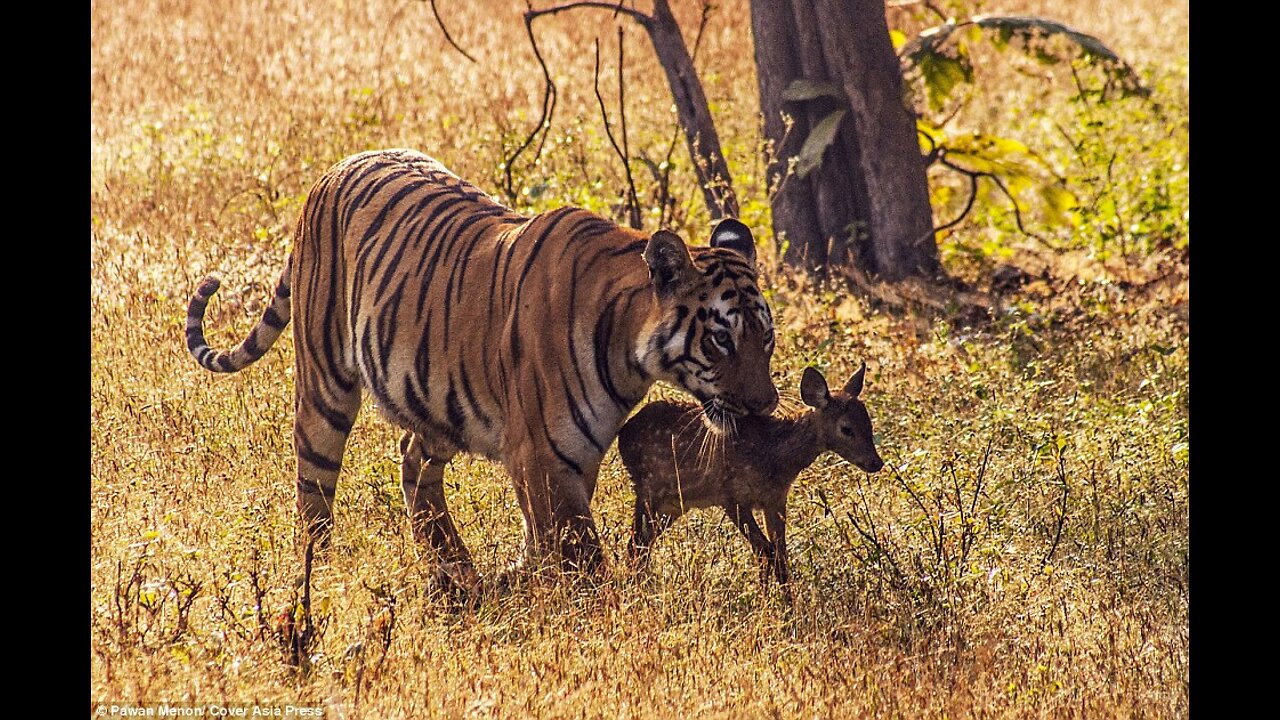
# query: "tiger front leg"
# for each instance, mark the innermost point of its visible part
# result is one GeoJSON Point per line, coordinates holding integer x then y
{"type": "Point", "coordinates": [422, 481]}
{"type": "Point", "coordinates": [557, 517]}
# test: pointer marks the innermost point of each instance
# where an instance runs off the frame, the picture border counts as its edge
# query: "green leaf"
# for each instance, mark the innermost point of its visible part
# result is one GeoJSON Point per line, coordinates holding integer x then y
{"type": "Point", "coordinates": [942, 73]}
{"type": "Point", "coordinates": [930, 136]}
{"type": "Point", "coordinates": [815, 146]}
{"type": "Point", "coordinates": [1059, 203]}
{"type": "Point", "coordinates": [1058, 197]}
{"type": "Point", "coordinates": [1107, 211]}
{"type": "Point", "coordinates": [998, 155]}
{"type": "Point", "coordinates": [800, 90]}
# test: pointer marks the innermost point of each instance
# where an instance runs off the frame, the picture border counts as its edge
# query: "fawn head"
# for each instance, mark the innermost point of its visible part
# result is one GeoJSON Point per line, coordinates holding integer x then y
{"type": "Point", "coordinates": [842, 423]}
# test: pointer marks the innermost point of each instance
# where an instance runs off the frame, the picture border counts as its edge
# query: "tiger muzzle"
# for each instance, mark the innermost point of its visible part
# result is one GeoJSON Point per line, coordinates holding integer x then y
{"type": "Point", "coordinates": [763, 404]}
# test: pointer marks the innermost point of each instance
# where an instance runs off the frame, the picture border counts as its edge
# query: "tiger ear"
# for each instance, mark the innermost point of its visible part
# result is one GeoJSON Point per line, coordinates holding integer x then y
{"type": "Point", "coordinates": [732, 234]}
{"type": "Point", "coordinates": [668, 260]}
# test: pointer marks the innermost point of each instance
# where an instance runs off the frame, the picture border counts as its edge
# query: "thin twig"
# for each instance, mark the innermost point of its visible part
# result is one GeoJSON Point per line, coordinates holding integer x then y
{"type": "Point", "coordinates": [934, 8]}
{"type": "Point", "coordinates": [964, 524]}
{"type": "Point", "coordinates": [447, 36]}
{"type": "Point", "coordinates": [932, 156]}
{"type": "Point", "coordinates": [933, 540]}
{"type": "Point", "coordinates": [1083, 93]}
{"type": "Point", "coordinates": [973, 194]}
{"type": "Point", "coordinates": [258, 595]}
{"type": "Point", "coordinates": [636, 15]}
{"type": "Point", "coordinates": [973, 176]}
{"type": "Point", "coordinates": [633, 202]}
{"type": "Point", "coordinates": [702, 25]}
{"type": "Point", "coordinates": [626, 149]}
{"type": "Point", "coordinates": [550, 94]}
{"type": "Point", "coordinates": [1062, 514]}
{"type": "Point", "coordinates": [1075, 146]}
{"type": "Point", "coordinates": [1017, 214]}
{"type": "Point", "coordinates": [982, 473]}
{"type": "Point", "coordinates": [664, 198]}
{"type": "Point", "coordinates": [548, 108]}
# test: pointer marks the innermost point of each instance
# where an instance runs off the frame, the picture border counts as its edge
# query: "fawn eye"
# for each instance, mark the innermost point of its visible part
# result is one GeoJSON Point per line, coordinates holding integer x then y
{"type": "Point", "coordinates": [846, 431]}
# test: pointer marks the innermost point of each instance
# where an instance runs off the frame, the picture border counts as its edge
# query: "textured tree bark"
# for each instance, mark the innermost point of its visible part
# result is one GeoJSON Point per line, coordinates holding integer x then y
{"type": "Point", "coordinates": [794, 218]}
{"type": "Point", "coordinates": [868, 202]}
{"type": "Point", "coordinates": [858, 51]}
{"type": "Point", "coordinates": [695, 116]}
{"type": "Point", "coordinates": [841, 201]}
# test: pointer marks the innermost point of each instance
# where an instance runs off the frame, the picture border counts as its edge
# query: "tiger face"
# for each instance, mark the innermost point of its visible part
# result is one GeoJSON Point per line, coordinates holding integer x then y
{"type": "Point", "coordinates": [715, 337]}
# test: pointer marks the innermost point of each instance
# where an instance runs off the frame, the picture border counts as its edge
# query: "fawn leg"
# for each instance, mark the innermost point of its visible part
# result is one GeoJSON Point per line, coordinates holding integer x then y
{"type": "Point", "coordinates": [747, 525]}
{"type": "Point", "coordinates": [776, 523]}
{"type": "Point", "coordinates": [645, 529]}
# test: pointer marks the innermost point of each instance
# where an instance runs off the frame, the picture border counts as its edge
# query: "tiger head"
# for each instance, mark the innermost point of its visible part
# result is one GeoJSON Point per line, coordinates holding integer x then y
{"type": "Point", "coordinates": [714, 337]}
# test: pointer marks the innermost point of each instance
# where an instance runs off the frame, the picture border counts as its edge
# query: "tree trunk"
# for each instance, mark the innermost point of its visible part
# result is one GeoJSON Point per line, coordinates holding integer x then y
{"type": "Point", "coordinates": [695, 117]}
{"type": "Point", "coordinates": [868, 202]}
{"type": "Point", "coordinates": [795, 220]}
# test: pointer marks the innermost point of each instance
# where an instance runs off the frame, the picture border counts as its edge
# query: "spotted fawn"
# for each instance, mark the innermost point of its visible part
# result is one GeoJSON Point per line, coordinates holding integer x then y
{"type": "Point", "coordinates": [675, 465]}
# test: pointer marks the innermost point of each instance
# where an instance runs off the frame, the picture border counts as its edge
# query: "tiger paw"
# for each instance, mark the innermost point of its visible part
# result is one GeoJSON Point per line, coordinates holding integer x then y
{"type": "Point", "coordinates": [458, 582]}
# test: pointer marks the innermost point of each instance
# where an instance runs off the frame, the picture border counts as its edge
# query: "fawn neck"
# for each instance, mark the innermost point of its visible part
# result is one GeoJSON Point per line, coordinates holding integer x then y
{"type": "Point", "coordinates": [796, 443]}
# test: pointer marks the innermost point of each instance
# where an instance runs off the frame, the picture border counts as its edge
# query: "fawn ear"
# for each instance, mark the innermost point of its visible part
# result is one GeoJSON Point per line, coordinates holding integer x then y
{"type": "Point", "coordinates": [854, 387]}
{"type": "Point", "coordinates": [668, 260]}
{"type": "Point", "coordinates": [732, 234]}
{"type": "Point", "coordinates": [813, 388]}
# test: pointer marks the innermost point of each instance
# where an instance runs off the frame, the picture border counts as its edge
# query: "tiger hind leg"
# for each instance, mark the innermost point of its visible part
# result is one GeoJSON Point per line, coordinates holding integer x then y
{"type": "Point", "coordinates": [422, 481]}
{"type": "Point", "coordinates": [321, 425]}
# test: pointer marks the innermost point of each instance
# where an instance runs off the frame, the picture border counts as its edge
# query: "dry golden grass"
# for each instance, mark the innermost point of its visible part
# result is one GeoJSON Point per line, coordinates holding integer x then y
{"type": "Point", "coordinates": [210, 120]}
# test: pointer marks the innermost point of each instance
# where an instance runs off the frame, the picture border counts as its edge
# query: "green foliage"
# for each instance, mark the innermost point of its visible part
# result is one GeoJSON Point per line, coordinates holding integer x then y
{"type": "Point", "coordinates": [1071, 195]}
{"type": "Point", "coordinates": [800, 90]}
{"type": "Point", "coordinates": [942, 70]}
{"type": "Point", "coordinates": [944, 64]}
{"type": "Point", "coordinates": [816, 144]}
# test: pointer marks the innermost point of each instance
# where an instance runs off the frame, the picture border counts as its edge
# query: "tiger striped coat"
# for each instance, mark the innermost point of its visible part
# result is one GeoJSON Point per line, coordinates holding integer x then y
{"type": "Point", "coordinates": [527, 340]}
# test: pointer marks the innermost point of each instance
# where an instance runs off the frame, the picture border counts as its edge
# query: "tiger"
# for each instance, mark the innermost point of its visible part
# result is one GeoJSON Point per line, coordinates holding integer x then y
{"type": "Point", "coordinates": [476, 329]}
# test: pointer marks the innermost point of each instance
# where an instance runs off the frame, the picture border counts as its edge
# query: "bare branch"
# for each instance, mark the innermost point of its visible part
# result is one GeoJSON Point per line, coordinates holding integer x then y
{"type": "Point", "coordinates": [982, 474]}
{"type": "Point", "coordinates": [550, 95]}
{"type": "Point", "coordinates": [702, 25]}
{"type": "Point", "coordinates": [1017, 214]}
{"type": "Point", "coordinates": [626, 149]}
{"type": "Point", "coordinates": [1062, 514]}
{"type": "Point", "coordinates": [973, 175]}
{"type": "Point", "coordinates": [636, 15]}
{"type": "Point", "coordinates": [665, 193]}
{"type": "Point", "coordinates": [973, 194]}
{"type": "Point", "coordinates": [695, 116]}
{"type": "Point", "coordinates": [932, 156]}
{"type": "Point", "coordinates": [633, 203]}
{"type": "Point", "coordinates": [447, 36]}
{"type": "Point", "coordinates": [936, 11]}
{"type": "Point", "coordinates": [548, 109]}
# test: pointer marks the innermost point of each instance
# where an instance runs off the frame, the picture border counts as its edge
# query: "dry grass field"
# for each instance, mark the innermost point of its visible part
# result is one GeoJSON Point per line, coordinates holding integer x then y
{"type": "Point", "coordinates": [1024, 553]}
